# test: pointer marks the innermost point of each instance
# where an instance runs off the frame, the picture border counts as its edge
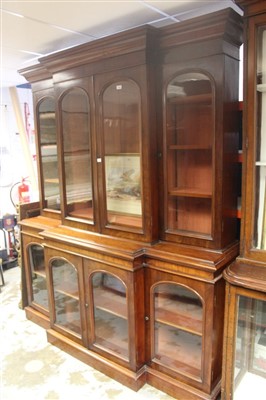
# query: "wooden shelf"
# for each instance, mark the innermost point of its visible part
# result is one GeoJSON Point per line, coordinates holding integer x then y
{"type": "Point", "coordinates": [111, 302]}
{"type": "Point", "coordinates": [117, 350]}
{"type": "Point", "coordinates": [190, 192]}
{"type": "Point", "coordinates": [189, 147]}
{"type": "Point", "coordinates": [178, 365]}
{"type": "Point", "coordinates": [179, 321]}
{"type": "Point", "coordinates": [260, 163]}
{"type": "Point", "coordinates": [195, 99]}
{"type": "Point", "coordinates": [67, 293]}
{"type": "Point", "coordinates": [261, 87]}
{"type": "Point", "coordinates": [40, 273]}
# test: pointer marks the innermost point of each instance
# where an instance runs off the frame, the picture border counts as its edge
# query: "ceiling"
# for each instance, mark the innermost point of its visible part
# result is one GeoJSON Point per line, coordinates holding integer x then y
{"type": "Point", "coordinates": [34, 28]}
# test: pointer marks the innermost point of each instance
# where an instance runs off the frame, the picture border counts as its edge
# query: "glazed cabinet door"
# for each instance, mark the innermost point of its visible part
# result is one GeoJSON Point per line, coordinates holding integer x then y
{"type": "Point", "coordinates": [116, 330]}
{"type": "Point", "coordinates": [200, 144]}
{"type": "Point", "coordinates": [190, 134]}
{"type": "Point", "coordinates": [255, 131]}
{"type": "Point", "coordinates": [66, 294]}
{"type": "Point", "coordinates": [36, 274]}
{"type": "Point", "coordinates": [180, 316]}
{"type": "Point", "coordinates": [245, 351]}
{"type": "Point", "coordinates": [123, 153]}
{"type": "Point", "coordinates": [47, 149]}
{"type": "Point", "coordinates": [75, 103]}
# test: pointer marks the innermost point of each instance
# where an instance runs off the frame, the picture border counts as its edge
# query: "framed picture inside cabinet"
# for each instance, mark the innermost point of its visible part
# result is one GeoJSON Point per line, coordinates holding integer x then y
{"type": "Point", "coordinates": [123, 184]}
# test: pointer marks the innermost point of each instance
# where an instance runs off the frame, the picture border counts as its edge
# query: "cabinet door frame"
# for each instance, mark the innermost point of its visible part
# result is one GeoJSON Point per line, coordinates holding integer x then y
{"type": "Point", "coordinates": [76, 261]}
{"type": "Point", "coordinates": [224, 229]}
{"type": "Point", "coordinates": [133, 281]}
{"type": "Point", "coordinates": [231, 312]}
{"type": "Point", "coordinates": [206, 292]}
{"type": "Point", "coordinates": [148, 145]}
{"type": "Point", "coordinates": [40, 95]}
{"type": "Point", "coordinates": [27, 242]}
{"type": "Point", "coordinates": [61, 90]}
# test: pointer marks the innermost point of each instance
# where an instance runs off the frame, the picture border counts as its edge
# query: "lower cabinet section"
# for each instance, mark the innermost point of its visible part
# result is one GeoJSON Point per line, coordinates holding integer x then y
{"type": "Point", "coordinates": [138, 315]}
{"type": "Point", "coordinates": [184, 334]}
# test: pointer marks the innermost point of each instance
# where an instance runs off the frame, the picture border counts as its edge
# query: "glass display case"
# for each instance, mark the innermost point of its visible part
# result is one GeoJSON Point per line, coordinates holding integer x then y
{"type": "Point", "coordinates": [77, 163]}
{"type": "Point", "coordinates": [244, 364]}
{"type": "Point", "coordinates": [177, 328]}
{"type": "Point", "coordinates": [259, 232]}
{"type": "Point", "coordinates": [38, 276]}
{"type": "Point", "coordinates": [190, 145]}
{"type": "Point", "coordinates": [48, 154]}
{"type": "Point", "coordinates": [110, 314]}
{"type": "Point", "coordinates": [66, 300]}
{"type": "Point", "coordinates": [122, 153]}
{"type": "Point", "coordinates": [250, 350]}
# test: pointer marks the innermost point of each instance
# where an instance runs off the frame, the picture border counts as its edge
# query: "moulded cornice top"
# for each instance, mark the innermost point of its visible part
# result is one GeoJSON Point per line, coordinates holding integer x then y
{"type": "Point", "coordinates": [132, 40]}
{"type": "Point", "coordinates": [252, 7]}
{"type": "Point", "coordinates": [225, 24]}
{"type": "Point", "coordinates": [35, 73]}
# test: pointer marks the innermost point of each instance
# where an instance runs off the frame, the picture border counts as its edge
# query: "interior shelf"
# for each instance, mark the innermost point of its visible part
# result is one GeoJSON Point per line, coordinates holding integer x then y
{"type": "Point", "coordinates": [111, 302]}
{"type": "Point", "coordinates": [195, 99]}
{"type": "Point", "coordinates": [190, 192]}
{"type": "Point", "coordinates": [67, 293]}
{"type": "Point", "coordinates": [189, 147]}
{"type": "Point", "coordinates": [40, 272]}
{"type": "Point", "coordinates": [183, 322]}
{"type": "Point", "coordinates": [261, 87]}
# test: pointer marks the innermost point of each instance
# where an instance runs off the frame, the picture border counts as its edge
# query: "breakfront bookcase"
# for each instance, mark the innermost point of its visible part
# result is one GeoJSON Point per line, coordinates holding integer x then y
{"type": "Point", "coordinates": [244, 361]}
{"type": "Point", "coordinates": [137, 142]}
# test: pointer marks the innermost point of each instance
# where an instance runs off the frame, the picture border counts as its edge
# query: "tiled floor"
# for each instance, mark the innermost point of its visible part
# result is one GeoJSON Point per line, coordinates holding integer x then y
{"type": "Point", "coordinates": [33, 369]}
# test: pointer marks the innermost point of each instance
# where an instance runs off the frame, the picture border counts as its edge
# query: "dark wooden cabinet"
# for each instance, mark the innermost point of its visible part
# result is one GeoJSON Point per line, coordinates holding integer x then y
{"type": "Point", "coordinates": [137, 149]}
{"type": "Point", "coordinates": [200, 132]}
{"type": "Point", "coordinates": [244, 362]}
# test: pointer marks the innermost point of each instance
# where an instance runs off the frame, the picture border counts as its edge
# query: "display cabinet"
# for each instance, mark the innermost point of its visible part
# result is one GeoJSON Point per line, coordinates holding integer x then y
{"type": "Point", "coordinates": [66, 293]}
{"type": "Point", "coordinates": [39, 296]}
{"type": "Point", "coordinates": [190, 128]}
{"type": "Point", "coordinates": [244, 364]}
{"type": "Point", "coordinates": [116, 315]}
{"type": "Point", "coordinates": [184, 304]}
{"type": "Point", "coordinates": [48, 152]}
{"type": "Point", "coordinates": [137, 159]}
{"type": "Point", "coordinates": [76, 152]}
{"type": "Point", "coordinates": [37, 284]}
{"type": "Point", "coordinates": [46, 140]}
{"type": "Point", "coordinates": [101, 170]}
{"type": "Point", "coordinates": [199, 93]}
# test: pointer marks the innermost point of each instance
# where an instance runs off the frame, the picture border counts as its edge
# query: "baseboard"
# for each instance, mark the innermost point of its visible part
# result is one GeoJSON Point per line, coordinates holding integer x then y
{"type": "Point", "coordinates": [178, 389]}
{"type": "Point", "coordinates": [37, 317]}
{"type": "Point", "coordinates": [131, 379]}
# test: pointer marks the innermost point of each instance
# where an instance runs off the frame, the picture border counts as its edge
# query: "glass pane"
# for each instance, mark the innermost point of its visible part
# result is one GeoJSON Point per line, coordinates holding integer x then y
{"type": "Point", "coordinates": [66, 295]}
{"type": "Point", "coordinates": [189, 147]}
{"type": "Point", "coordinates": [110, 314]}
{"type": "Point", "coordinates": [77, 154]}
{"type": "Point", "coordinates": [49, 163]}
{"type": "Point", "coordinates": [122, 138]}
{"type": "Point", "coordinates": [260, 189]}
{"type": "Point", "coordinates": [178, 328]}
{"type": "Point", "coordinates": [250, 351]}
{"type": "Point", "coordinates": [38, 275]}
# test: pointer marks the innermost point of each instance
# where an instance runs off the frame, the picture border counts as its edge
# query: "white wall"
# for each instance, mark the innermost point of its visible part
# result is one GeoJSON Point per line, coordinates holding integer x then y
{"type": "Point", "coordinates": [13, 161]}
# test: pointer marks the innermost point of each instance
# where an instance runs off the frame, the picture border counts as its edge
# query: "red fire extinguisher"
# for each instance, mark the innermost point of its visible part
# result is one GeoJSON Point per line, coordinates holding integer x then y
{"type": "Point", "coordinates": [24, 192]}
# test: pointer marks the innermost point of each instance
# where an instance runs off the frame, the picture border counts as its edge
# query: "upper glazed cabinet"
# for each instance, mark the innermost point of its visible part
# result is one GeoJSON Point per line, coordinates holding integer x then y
{"type": "Point", "coordinates": [245, 314]}
{"type": "Point", "coordinates": [48, 153]}
{"type": "Point", "coordinates": [105, 136]}
{"type": "Point", "coordinates": [200, 133]}
{"type": "Point", "coordinates": [254, 221]}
